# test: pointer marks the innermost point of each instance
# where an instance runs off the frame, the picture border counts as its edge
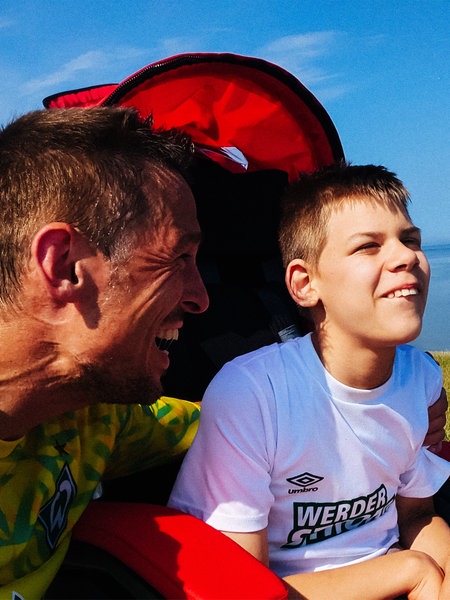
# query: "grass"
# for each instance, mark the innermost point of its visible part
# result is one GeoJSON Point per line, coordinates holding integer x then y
{"type": "Point", "coordinates": [443, 359]}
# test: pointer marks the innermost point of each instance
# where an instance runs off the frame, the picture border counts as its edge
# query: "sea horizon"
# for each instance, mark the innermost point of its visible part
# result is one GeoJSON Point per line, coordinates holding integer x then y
{"type": "Point", "coordinates": [435, 335]}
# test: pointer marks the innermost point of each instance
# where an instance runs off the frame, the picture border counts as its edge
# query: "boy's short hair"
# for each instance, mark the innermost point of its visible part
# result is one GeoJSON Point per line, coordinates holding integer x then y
{"type": "Point", "coordinates": [308, 202]}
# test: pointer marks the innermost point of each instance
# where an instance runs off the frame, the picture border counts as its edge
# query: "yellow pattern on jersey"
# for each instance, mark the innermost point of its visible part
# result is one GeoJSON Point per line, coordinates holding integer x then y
{"type": "Point", "coordinates": [78, 450]}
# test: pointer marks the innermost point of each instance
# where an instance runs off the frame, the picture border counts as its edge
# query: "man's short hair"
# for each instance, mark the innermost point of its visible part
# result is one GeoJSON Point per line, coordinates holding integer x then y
{"type": "Point", "coordinates": [81, 166]}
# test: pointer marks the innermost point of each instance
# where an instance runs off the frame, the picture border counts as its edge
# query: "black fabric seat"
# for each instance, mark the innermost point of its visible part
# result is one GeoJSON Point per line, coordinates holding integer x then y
{"type": "Point", "coordinates": [91, 573]}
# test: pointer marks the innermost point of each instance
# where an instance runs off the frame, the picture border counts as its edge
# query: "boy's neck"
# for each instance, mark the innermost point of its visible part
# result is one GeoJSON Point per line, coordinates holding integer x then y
{"type": "Point", "coordinates": [353, 365]}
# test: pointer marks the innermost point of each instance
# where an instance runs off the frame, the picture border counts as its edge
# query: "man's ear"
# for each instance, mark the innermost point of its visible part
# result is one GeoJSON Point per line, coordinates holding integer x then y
{"type": "Point", "coordinates": [299, 283]}
{"type": "Point", "coordinates": [55, 252]}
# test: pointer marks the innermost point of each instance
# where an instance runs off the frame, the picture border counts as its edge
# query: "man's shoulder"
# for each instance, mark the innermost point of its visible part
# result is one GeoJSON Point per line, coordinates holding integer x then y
{"type": "Point", "coordinates": [101, 417]}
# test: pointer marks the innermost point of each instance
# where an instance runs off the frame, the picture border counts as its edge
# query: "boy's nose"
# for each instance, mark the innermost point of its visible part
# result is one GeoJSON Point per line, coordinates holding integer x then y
{"type": "Point", "coordinates": [403, 257]}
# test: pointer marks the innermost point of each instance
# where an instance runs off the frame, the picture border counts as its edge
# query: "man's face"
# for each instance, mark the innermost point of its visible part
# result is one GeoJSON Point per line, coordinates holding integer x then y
{"type": "Point", "coordinates": [372, 277]}
{"type": "Point", "coordinates": [145, 300]}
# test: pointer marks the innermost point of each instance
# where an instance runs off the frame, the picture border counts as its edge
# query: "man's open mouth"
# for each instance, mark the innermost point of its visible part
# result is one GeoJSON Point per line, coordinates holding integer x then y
{"type": "Point", "coordinates": [166, 339]}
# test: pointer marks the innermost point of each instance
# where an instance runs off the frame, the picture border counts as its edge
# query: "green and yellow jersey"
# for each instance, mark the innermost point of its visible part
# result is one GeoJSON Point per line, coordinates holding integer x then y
{"type": "Point", "coordinates": [48, 477]}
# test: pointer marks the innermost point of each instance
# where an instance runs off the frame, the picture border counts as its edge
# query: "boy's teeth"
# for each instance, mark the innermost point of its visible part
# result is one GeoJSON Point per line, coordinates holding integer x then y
{"type": "Point", "coordinates": [404, 292]}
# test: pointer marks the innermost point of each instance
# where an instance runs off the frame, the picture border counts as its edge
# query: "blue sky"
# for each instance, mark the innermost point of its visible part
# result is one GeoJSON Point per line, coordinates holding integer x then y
{"type": "Point", "coordinates": [381, 68]}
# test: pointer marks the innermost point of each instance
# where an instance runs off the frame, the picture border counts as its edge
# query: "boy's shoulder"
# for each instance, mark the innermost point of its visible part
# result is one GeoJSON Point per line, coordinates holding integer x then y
{"type": "Point", "coordinates": [414, 364]}
{"type": "Point", "coordinates": [300, 344]}
{"type": "Point", "coordinates": [407, 352]}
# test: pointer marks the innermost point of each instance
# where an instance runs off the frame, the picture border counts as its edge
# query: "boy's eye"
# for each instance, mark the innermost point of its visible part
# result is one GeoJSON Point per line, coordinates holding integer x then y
{"type": "Point", "coordinates": [414, 243]}
{"type": "Point", "coordinates": [370, 246]}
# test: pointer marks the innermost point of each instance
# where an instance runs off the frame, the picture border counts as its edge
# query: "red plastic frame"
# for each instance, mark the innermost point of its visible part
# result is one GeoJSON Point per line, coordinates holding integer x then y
{"type": "Point", "coordinates": [178, 554]}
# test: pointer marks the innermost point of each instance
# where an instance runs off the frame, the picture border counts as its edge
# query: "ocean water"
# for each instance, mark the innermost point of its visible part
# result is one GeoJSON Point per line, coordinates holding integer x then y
{"type": "Point", "coordinates": [436, 324]}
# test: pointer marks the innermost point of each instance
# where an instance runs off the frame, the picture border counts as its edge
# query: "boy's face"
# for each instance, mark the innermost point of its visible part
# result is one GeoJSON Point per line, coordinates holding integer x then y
{"type": "Point", "coordinates": [372, 276]}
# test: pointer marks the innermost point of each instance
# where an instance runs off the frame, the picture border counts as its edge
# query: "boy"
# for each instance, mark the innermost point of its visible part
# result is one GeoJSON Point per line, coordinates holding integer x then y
{"type": "Point", "coordinates": [309, 453]}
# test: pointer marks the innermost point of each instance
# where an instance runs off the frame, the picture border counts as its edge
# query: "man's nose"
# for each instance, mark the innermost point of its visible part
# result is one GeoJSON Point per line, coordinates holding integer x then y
{"type": "Point", "coordinates": [196, 298]}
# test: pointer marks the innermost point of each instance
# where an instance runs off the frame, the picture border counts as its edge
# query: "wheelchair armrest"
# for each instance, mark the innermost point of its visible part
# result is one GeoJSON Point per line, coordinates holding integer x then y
{"type": "Point", "coordinates": [178, 554]}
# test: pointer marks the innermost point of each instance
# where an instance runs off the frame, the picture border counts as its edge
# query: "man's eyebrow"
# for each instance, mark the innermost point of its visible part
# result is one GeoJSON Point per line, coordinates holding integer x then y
{"type": "Point", "coordinates": [192, 238]}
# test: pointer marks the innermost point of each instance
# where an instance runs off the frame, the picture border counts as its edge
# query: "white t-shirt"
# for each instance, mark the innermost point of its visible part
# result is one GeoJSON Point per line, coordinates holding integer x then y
{"type": "Point", "coordinates": [283, 444]}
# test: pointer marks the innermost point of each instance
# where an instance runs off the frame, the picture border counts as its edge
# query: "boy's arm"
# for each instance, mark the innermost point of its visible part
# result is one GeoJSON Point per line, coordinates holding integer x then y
{"type": "Point", "coordinates": [255, 542]}
{"type": "Point", "coordinates": [402, 572]}
{"type": "Point", "coordinates": [422, 529]}
{"type": "Point", "coordinates": [390, 576]}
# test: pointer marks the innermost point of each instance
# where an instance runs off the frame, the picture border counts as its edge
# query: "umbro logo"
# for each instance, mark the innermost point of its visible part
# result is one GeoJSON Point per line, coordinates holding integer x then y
{"type": "Point", "coordinates": [305, 482]}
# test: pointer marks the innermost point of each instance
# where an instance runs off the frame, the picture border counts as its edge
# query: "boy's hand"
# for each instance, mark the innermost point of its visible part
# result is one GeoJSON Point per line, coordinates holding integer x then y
{"type": "Point", "coordinates": [444, 594]}
{"type": "Point", "coordinates": [437, 419]}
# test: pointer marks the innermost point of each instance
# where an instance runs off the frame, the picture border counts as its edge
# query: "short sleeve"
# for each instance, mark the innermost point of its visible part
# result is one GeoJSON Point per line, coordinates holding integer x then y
{"type": "Point", "coordinates": [225, 477]}
{"type": "Point", "coordinates": [150, 435]}
{"type": "Point", "coordinates": [427, 476]}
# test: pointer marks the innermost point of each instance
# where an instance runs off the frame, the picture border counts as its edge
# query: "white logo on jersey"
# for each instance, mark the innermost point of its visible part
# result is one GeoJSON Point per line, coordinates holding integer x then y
{"type": "Point", "coordinates": [314, 522]}
{"type": "Point", "coordinates": [53, 515]}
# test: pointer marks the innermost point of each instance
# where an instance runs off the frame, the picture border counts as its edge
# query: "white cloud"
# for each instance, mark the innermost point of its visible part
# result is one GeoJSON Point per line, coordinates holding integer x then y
{"type": "Point", "coordinates": [307, 44]}
{"type": "Point", "coordinates": [5, 22]}
{"type": "Point", "coordinates": [85, 62]}
{"type": "Point", "coordinates": [178, 45]}
{"type": "Point", "coordinates": [108, 65]}
{"type": "Point", "coordinates": [301, 56]}
{"type": "Point", "coordinates": [97, 62]}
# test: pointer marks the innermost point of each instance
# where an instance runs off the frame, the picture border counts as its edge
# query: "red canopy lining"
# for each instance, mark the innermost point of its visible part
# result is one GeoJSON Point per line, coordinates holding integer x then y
{"type": "Point", "coordinates": [222, 104]}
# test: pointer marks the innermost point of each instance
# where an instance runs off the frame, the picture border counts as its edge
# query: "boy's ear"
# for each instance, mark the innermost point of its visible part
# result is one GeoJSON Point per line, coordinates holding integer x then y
{"type": "Point", "coordinates": [56, 252]}
{"type": "Point", "coordinates": [299, 283]}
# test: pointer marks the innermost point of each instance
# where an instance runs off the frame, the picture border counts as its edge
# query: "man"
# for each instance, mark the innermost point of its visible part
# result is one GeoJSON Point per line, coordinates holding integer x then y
{"type": "Point", "coordinates": [98, 242]}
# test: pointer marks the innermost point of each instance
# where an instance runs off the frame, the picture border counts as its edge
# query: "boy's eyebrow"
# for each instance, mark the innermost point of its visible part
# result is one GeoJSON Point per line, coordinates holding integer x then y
{"type": "Point", "coordinates": [413, 229]}
{"type": "Point", "coordinates": [407, 230]}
